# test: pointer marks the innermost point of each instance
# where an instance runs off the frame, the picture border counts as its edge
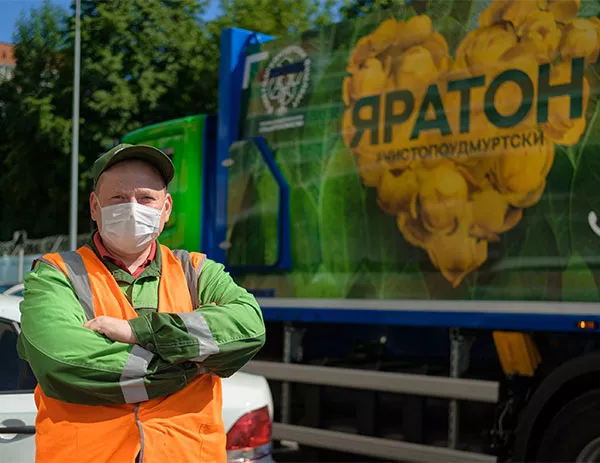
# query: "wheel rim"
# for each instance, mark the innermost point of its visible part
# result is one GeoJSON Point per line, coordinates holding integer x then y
{"type": "Point", "coordinates": [591, 452]}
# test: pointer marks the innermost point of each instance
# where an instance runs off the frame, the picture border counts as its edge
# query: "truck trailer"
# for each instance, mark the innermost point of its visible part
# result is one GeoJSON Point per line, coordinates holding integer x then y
{"type": "Point", "coordinates": [410, 195]}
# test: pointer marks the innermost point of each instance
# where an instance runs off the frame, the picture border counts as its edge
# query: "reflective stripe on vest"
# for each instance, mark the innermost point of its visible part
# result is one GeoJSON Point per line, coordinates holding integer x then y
{"type": "Point", "coordinates": [194, 322]}
{"type": "Point", "coordinates": [79, 279]}
{"type": "Point", "coordinates": [192, 274]}
{"type": "Point", "coordinates": [131, 381]}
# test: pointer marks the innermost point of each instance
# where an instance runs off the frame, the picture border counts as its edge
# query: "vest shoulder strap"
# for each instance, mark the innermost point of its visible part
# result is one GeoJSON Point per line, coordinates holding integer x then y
{"type": "Point", "coordinates": [192, 266]}
{"type": "Point", "coordinates": [71, 264]}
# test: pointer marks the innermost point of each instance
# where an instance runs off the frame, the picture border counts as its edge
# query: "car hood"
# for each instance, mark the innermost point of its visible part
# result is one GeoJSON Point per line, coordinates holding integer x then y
{"type": "Point", "coordinates": [9, 307]}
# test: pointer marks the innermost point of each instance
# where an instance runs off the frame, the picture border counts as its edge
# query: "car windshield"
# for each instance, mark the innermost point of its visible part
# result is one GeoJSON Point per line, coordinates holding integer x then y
{"type": "Point", "coordinates": [12, 290]}
{"type": "Point", "coordinates": [15, 374]}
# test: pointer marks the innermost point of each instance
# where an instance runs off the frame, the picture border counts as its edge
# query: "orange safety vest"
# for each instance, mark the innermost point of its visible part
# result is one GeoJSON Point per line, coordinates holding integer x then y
{"type": "Point", "coordinates": [185, 427]}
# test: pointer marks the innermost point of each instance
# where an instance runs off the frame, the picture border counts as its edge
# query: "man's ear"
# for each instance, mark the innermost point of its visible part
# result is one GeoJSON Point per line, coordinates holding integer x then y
{"type": "Point", "coordinates": [94, 207]}
{"type": "Point", "coordinates": [168, 207]}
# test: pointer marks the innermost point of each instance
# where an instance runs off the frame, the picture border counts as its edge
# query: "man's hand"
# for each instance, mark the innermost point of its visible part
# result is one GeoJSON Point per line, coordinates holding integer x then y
{"type": "Point", "coordinates": [113, 328]}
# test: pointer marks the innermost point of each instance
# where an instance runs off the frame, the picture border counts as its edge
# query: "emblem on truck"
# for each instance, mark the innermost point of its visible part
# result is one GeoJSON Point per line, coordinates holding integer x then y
{"type": "Point", "coordinates": [286, 80]}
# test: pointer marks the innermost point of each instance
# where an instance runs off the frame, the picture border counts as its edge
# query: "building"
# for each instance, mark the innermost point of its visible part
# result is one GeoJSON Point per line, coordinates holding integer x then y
{"type": "Point", "coordinates": [7, 61]}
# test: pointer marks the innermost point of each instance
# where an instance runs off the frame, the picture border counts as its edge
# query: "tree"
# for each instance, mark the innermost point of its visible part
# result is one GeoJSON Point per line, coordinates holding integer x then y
{"type": "Point", "coordinates": [142, 63]}
{"type": "Point", "coordinates": [34, 129]}
{"type": "Point", "coordinates": [355, 8]}
{"type": "Point", "coordinates": [277, 17]}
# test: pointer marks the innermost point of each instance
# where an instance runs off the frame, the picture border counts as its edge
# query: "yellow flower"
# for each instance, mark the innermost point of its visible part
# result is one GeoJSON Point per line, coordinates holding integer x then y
{"type": "Point", "coordinates": [506, 10]}
{"type": "Point", "coordinates": [362, 51]}
{"type": "Point", "coordinates": [492, 215]}
{"type": "Point", "coordinates": [581, 39]}
{"type": "Point", "coordinates": [438, 47]}
{"type": "Point", "coordinates": [368, 80]}
{"type": "Point", "coordinates": [496, 46]}
{"type": "Point", "coordinates": [419, 56]}
{"type": "Point", "coordinates": [560, 127]}
{"type": "Point", "coordinates": [475, 168]}
{"type": "Point", "coordinates": [516, 11]}
{"type": "Point", "coordinates": [396, 191]}
{"type": "Point", "coordinates": [416, 70]}
{"type": "Point", "coordinates": [539, 36]}
{"type": "Point", "coordinates": [518, 173]}
{"type": "Point", "coordinates": [384, 36]}
{"type": "Point", "coordinates": [413, 32]}
{"type": "Point", "coordinates": [458, 254]}
{"type": "Point", "coordinates": [527, 199]}
{"type": "Point", "coordinates": [442, 197]}
{"type": "Point", "coordinates": [412, 229]}
{"type": "Point", "coordinates": [562, 10]}
{"type": "Point", "coordinates": [483, 49]}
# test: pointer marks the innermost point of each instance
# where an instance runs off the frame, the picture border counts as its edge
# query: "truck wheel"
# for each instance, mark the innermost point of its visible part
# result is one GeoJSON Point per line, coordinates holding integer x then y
{"type": "Point", "coordinates": [573, 434]}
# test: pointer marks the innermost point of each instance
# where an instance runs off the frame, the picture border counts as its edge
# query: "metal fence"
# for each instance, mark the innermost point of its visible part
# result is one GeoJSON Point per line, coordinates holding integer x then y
{"type": "Point", "coordinates": [57, 243]}
{"type": "Point", "coordinates": [391, 450]}
{"type": "Point", "coordinates": [17, 255]}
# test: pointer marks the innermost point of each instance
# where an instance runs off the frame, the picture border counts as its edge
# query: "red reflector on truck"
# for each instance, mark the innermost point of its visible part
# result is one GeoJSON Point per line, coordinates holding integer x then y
{"type": "Point", "coordinates": [251, 430]}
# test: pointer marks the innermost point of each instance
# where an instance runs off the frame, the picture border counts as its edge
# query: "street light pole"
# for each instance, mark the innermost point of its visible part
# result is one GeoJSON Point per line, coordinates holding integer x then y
{"type": "Point", "coordinates": [75, 139]}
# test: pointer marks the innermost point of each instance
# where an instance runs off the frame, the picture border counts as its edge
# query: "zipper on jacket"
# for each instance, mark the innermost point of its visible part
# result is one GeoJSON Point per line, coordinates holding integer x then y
{"type": "Point", "coordinates": [140, 456]}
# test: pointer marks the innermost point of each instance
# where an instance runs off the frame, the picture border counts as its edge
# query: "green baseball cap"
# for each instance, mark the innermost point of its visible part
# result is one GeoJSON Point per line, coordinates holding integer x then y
{"type": "Point", "coordinates": [125, 151]}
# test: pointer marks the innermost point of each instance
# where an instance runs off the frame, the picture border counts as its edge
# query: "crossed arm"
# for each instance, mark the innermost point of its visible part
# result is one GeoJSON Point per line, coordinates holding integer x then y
{"type": "Point", "coordinates": [112, 361]}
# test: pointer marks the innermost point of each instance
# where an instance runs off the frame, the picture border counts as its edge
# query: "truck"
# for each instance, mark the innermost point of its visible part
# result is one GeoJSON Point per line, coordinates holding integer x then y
{"type": "Point", "coordinates": [410, 195]}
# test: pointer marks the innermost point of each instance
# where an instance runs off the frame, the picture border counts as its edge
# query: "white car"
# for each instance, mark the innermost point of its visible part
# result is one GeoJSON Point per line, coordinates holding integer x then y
{"type": "Point", "coordinates": [247, 402]}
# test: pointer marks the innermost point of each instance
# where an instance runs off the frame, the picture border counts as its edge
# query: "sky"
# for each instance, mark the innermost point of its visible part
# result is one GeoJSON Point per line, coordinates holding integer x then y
{"type": "Point", "coordinates": [11, 9]}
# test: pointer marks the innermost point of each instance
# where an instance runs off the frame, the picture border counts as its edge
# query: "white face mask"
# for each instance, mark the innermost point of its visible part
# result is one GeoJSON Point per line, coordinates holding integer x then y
{"type": "Point", "coordinates": [129, 227]}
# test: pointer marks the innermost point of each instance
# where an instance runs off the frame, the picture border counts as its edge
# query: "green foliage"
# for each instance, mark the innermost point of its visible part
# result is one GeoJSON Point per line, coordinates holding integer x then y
{"type": "Point", "coordinates": [141, 64]}
{"type": "Point", "coordinates": [355, 8]}
{"type": "Point", "coordinates": [277, 17]}
{"type": "Point", "coordinates": [35, 128]}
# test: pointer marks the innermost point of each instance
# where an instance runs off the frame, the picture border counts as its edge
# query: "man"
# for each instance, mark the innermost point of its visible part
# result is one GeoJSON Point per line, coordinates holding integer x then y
{"type": "Point", "coordinates": [128, 339]}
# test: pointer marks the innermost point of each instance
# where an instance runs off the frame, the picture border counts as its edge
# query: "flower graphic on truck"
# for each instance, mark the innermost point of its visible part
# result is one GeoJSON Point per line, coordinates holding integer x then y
{"type": "Point", "coordinates": [458, 145]}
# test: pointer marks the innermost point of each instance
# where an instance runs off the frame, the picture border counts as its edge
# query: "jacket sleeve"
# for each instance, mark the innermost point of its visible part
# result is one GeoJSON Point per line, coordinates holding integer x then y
{"type": "Point", "coordinates": [222, 338]}
{"type": "Point", "coordinates": [77, 365]}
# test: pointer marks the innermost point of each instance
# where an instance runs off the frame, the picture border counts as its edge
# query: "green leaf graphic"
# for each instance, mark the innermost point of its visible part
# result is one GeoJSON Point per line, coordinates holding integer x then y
{"type": "Point", "coordinates": [342, 217]}
{"type": "Point", "coordinates": [306, 253]}
{"type": "Point", "coordinates": [586, 200]}
{"type": "Point", "coordinates": [589, 8]}
{"type": "Point", "coordinates": [452, 30]}
{"type": "Point", "coordinates": [392, 263]}
{"type": "Point", "coordinates": [530, 266]}
{"type": "Point", "coordinates": [556, 201]}
{"type": "Point", "coordinates": [477, 7]}
{"type": "Point", "coordinates": [578, 282]}
{"type": "Point", "coordinates": [439, 9]}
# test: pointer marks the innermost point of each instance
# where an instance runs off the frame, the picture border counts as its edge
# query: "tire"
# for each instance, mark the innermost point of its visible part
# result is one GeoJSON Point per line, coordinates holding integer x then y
{"type": "Point", "coordinates": [575, 427]}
